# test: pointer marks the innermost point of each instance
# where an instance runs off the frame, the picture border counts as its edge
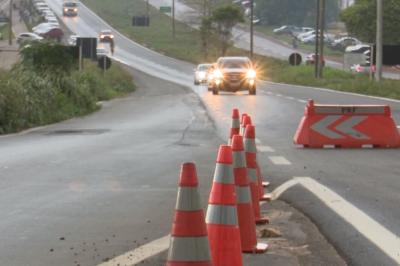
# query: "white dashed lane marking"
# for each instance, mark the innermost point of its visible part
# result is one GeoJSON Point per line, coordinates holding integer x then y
{"type": "Point", "coordinates": [264, 148]}
{"type": "Point", "coordinates": [258, 141]}
{"type": "Point", "coordinates": [385, 240]}
{"type": "Point", "coordinates": [301, 101]}
{"type": "Point", "coordinates": [279, 160]}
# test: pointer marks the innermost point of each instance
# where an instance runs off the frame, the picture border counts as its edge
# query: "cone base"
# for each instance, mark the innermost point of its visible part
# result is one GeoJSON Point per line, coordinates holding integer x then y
{"type": "Point", "coordinates": [265, 183]}
{"type": "Point", "coordinates": [258, 249]}
{"type": "Point", "coordinates": [266, 197]}
{"type": "Point", "coordinates": [262, 220]}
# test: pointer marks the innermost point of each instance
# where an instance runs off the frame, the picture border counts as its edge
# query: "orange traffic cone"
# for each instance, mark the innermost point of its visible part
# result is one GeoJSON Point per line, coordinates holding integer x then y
{"type": "Point", "coordinates": [245, 210]}
{"type": "Point", "coordinates": [189, 242]}
{"type": "Point", "coordinates": [242, 126]}
{"type": "Point", "coordinates": [221, 219]}
{"type": "Point", "coordinates": [235, 127]}
{"type": "Point", "coordinates": [262, 184]}
{"type": "Point", "coordinates": [251, 161]}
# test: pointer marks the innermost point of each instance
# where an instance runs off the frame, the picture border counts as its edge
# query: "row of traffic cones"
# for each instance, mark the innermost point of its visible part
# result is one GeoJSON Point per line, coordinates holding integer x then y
{"type": "Point", "coordinates": [229, 227]}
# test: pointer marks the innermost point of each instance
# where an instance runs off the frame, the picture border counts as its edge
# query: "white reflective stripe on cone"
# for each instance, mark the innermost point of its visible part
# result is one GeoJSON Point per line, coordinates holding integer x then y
{"type": "Point", "coordinates": [223, 174]}
{"type": "Point", "coordinates": [250, 145]}
{"type": "Point", "coordinates": [189, 249]}
{"type": "Point", "coordinates": [239, 159]}
{"type": "Point", "coordinates": [221, 214]}
{"type": "Point", "coordinates": [252, 174]}
{"type": "Point", "coordinates": [243, 195]}
{"type": "Point", "coordinates": [188, 199]}
{"type": "Point", "coordinates": [235, 123]}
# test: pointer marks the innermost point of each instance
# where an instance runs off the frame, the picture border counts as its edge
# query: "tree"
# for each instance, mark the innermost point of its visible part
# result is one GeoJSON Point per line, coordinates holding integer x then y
{"type": "Point", "coordinates": [205, 33]}
{"type": "Point", "coordinates": [225, 18]}
{"type": "Point", "coordinates": [294, 12]}
{"type": "Point", "coordinates": [360, 20]}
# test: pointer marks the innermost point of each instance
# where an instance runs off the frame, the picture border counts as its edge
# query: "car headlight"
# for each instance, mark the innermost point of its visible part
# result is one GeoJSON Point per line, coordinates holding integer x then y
{"type": "Point", "coordinates": [217, 74]}
{"type": "Point", "coordinates": [251, 74]}
{"type": "Point", "coordinates": [201, 74]}
{"type": "Point", "coordinates": [101, 36]}
{"type": "Point", "coordinates": [75, 9]}
{"type": "Point", "coordinates": [65, 9]}
{"type": "Point", "coordinates": [112, 36]}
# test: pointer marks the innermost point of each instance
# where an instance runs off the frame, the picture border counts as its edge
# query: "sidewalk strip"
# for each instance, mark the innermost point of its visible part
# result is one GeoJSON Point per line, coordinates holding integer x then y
{"type": "Point", "coordinates": [385, 240]}
{"type": "Point", "coordinates": [139, 254]}
{"type": "Point", "coordinates": [279, 160]}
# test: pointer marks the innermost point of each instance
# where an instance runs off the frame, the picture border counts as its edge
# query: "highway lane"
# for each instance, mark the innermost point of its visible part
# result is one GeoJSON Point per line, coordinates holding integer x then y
{"type": "Point", "coordinates": [367, 178]}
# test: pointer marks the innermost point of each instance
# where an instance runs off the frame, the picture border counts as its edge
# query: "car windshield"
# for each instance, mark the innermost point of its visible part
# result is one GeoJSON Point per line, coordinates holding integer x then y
{"type": "Point", "coordinates": [69, 4]}
{"type": "Point", "coordinates": [234, 63]}
{"type": "Point", "coordinates": [204, 67]}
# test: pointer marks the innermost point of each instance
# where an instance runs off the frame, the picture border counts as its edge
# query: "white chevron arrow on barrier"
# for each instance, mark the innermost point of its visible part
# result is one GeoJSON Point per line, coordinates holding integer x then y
{"type": "Point", "coordinates": [346, 127]}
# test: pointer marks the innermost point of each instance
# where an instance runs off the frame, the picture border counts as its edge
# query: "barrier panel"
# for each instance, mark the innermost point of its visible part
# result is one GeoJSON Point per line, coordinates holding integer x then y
{"type": "Point", "coordinates": [347, 126]}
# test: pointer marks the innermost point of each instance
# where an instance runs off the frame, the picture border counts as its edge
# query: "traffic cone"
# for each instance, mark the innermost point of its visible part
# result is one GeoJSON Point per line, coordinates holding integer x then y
{"type": "Point", "coordinates": [221, 218]}
{"type": "Point", "coordinates": [235, 127]}
{"type": "Point", "coordinates": [262, 184]}
{"type": "Point", "coordinates": [251, 162]}
{"type": "Point", "coordinates": [245, 210]}
{"type": "Point", "coordinates": [242, 126]}
{"type": "Point", "coordinates": [189, 243]}
{"type": "Point", "coordinates": [246, 121]}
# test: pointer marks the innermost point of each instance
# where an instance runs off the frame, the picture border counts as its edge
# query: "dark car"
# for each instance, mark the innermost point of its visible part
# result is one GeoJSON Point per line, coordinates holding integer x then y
{"type": "Point", "coordinates": [233, 74]}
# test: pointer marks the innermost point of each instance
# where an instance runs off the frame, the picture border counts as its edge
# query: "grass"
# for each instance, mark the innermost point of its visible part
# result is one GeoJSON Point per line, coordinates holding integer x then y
{"type": "Point", "coordinates": [4, 32]}
{"type": "Point", "coordinates": [29, 99]}
{"type": "Point", "coordinates": [186, 46]}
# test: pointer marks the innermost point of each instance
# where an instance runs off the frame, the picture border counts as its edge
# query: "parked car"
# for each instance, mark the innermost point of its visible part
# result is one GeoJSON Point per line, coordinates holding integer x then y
{"type": "Point", "coordinates": [43, 28]}
{"type": "Point", "coordinates": [234, 74]}
{"type": "Point", "coordinates": [53, 33]}
{"type": "Point", "coordinates": [286, 29]}
{"type": "Point", "coordinates": [28, 37]}
{"type": "Point", "coordinates": [342, 43]}
{"type": "Point", "coordinates": [201, 73]}
{"type": "Point", "coordinates": [359, 48]}
{"type": "Point", "coordinates": [311, 58]}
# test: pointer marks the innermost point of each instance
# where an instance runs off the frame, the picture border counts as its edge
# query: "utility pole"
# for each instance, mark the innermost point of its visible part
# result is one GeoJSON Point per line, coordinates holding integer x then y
{"type": "Point", "coordinates": [316, 60]}
{"type": "Point", "coordinates": [173, 18]}
{"type": "Point", "coordinates": [251, 29]}
{"type": "Point", "coordinates": [321, 39]}
{"type": "Point", "coordinates": [10, 24]}
{"type": "Point", "coordinates": [379, 40]}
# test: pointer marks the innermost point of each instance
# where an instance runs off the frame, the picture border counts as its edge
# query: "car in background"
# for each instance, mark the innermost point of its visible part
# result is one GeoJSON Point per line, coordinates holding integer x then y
{"type": "Point", "coordinates": [28, 37]}
{"type": "Point", "coordinates": [359, 48]}
{"type": "Point", "coordinates": [201, 73]}
{"type": "Point", "coordinates": [70, 8]}
{"type": "Point", "coordinates": [233, 74]}
{"type": "Point", "coordinates": [342, 43]}
{"type": "Point", "coordinates": [106, 36]}
{"type": "Point", "coordinates": [311, 58]}
{"type": "Point", "coordinates": [286, 29]}
{"type": "Point", "coordinates": [363, 69]}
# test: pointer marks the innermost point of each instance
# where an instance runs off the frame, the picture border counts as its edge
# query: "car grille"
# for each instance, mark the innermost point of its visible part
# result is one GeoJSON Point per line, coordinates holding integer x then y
{"type": "Point", "coordinates": [234, 77]}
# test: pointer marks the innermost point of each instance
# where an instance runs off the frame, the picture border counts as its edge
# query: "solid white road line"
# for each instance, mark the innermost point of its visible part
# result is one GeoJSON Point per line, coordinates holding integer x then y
{"type": "Point", "coordinates": [264, 148]}
{"type": "Point", "coordinates": [279, 160]}
{"type": "Point", "coordinates": [290, 98]}
{"type": "Point", "coordinates": [258, 141]}
{"type": "Point", "coordinates": [141, 253]}
{"type": "Point", "coordinates": [279, 95]}
{"type": "Point", "coordinates": [385, 240]}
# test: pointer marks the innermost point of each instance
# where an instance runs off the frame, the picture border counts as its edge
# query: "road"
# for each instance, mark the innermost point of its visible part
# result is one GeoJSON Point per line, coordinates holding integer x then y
{"type": "Point", "coordinates": [368, 179]}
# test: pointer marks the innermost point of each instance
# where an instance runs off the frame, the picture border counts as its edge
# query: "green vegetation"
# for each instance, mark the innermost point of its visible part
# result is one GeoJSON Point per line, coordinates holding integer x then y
{"type": "Point", "coordinates": [188, 46]}
{"type": "Point", "coordinates": [4, 31]}
{"type": "Point", "coordinates": [31, 96]}
{"type": "Point", "coordinates": [360, 20]}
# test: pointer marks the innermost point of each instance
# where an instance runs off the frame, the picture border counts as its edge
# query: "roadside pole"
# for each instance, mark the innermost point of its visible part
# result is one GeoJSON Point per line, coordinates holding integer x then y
{"type": "Point", "coordinates": [316, 60]}
{"type": "Point", "coordinates": [80, 57]}
{"type": "Point", "coordinates": [10, 24]}
{"type": "Point", "coordinates": [371, 62]}
{"type": "Point", "coordinates": [104, 65]}
{"type": "Point", "coordinates": [251, 29]}
{"type": "Point", "coordinates": [379, 40]}
{"type": "Point", "coordinates": [173, 18]}
{"type": "Point", "coordinates": [321, 39]}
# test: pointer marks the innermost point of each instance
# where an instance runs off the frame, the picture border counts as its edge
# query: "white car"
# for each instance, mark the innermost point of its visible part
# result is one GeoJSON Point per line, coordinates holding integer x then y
{"type": "Point", "coordinates": [305, 34]}
{"type": "Point", "coordinates": [201, 73]}
{"type": "Point", "coordinates": [106, 36]}
{"type": "Point", "coordinates": [28, 37]}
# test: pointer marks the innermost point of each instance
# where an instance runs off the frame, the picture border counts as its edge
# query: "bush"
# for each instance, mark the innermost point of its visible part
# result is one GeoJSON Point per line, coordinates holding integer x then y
{"type": "Point", "coordinates": [32, 96]}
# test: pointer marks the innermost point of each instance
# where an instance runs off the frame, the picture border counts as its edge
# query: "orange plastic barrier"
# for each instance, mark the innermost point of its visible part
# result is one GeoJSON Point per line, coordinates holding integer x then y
{"type": "Point", "coordinates": [347, 126]}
